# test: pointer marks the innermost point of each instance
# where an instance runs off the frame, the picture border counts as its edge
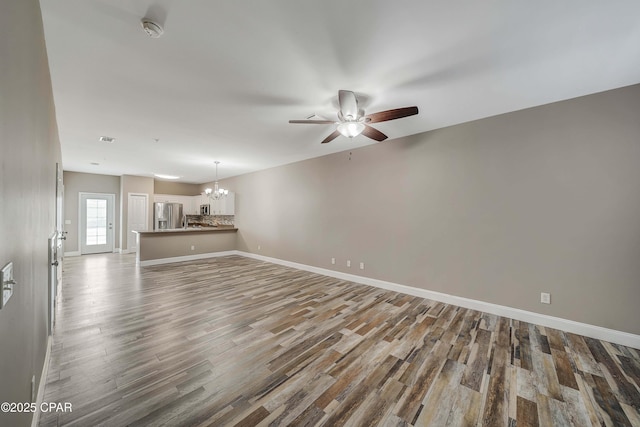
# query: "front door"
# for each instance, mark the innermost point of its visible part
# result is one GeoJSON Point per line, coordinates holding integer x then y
{"type": "Point", "coordinates": [96, 223]}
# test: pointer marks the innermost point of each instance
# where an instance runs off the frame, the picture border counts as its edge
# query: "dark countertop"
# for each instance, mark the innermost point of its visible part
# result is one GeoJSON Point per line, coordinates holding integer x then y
{"type": "Point", "coordinates": [188, 230]}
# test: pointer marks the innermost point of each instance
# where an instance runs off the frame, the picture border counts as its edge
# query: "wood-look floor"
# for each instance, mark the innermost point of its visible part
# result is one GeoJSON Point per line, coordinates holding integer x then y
{"type": "Point", "coordinates": [235, 341]}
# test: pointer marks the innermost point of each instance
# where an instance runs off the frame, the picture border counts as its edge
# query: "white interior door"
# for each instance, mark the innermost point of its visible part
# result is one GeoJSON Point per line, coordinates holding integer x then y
{"type": "Point", "coordinates": [96, 223]}
{"type": "Point", "coordinates": [137, 218]}
{"type": "Point", "coordinates": [55, 250]}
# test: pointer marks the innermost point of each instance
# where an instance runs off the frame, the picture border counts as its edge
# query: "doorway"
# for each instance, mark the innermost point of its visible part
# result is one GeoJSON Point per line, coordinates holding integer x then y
{"type": "Point", "coordinates": [137, 218]}
{"type": "Point", "coordinates": [97, 212]}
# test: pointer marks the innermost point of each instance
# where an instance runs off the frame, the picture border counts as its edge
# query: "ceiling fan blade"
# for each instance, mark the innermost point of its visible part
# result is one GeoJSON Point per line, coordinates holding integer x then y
{"type": "Point", "coordinates": [331, 137]}
{"type": "Point", "coordinates": [386, 115]}
{"type": "Point", "coordinates": [372, 133]}
{"type": "Point", "coordinates": [348, 105]}
{"type": "Point", "coordinates": [314, 122]}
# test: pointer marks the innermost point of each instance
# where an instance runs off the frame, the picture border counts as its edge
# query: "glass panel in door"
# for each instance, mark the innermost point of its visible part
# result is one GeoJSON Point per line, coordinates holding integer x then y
{"type": "Point", "coordinates": [96, 232]}
{"type": "Point", "coordinates": [97, 223]}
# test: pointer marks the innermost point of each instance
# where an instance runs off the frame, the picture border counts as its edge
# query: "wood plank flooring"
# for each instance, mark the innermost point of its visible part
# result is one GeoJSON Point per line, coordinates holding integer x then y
{"type": "Point", "coordinates": [237, 342]}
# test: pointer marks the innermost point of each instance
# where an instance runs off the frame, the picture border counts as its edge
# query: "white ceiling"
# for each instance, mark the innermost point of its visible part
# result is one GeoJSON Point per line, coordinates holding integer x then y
{"type": "Point", "coordinates": [226, 76]}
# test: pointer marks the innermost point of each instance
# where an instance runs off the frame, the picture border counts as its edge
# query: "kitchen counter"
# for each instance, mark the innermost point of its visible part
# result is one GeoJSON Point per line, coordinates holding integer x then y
{"type": "Point", "coordinates": [188, 230]}
{"type": "Point", "coordinates": [184, 244]}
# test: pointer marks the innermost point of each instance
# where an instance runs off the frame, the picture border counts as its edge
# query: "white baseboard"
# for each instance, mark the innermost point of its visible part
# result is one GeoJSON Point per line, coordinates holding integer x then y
{"type": "Point", "coordinates": [593, 331]}
{"type": "Point", "coordinates": [43, 381]}
{"type": "Point", "coordinates": [597, 332]}
{"type": "Point", "coordinates": [186, 258]}
{"type": "Point", "coordinates": [115, 251]}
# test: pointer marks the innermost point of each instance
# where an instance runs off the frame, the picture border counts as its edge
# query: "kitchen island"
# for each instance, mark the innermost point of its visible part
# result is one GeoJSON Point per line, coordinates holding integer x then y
{"type": "Point", "coordinates": [184, 244]}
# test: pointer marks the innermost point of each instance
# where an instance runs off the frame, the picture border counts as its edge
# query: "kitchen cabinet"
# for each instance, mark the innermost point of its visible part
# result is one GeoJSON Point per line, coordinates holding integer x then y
{"type": "Point", "coordinates": [194, 209]}
{"type": "Point", "coordinates": [224, 206]}
{"type": "Point", "coordinates": [191, 204]}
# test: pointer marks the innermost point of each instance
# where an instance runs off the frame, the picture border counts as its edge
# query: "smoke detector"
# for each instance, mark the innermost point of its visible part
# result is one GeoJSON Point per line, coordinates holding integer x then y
{"type": "Point", "coordinates": [153, 29]}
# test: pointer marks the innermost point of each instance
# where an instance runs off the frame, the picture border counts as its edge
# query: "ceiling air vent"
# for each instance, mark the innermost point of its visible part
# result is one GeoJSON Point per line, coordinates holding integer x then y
{"type": "Point", "coordinates": [107, 139]}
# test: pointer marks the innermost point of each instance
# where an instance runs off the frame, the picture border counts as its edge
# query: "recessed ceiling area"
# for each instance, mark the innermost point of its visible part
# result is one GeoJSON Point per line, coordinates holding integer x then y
{"type": "Point", "coordinates": [224, 79]}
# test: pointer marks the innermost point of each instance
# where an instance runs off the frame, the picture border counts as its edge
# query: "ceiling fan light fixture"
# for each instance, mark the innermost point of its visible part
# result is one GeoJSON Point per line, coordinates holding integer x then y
{"type": "Point", "coordinates": [350, 129]}
{"type": "Point", "coordinates": [352, 120]}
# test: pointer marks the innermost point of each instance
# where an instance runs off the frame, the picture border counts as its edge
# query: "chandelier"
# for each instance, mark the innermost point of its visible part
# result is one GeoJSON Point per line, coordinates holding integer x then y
{"type": "Point", "coordinates": [217, 193]}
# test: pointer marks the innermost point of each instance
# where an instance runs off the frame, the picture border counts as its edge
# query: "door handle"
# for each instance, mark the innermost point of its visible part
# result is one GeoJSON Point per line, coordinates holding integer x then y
{"type": "Point", "coordinates": [55, 263]}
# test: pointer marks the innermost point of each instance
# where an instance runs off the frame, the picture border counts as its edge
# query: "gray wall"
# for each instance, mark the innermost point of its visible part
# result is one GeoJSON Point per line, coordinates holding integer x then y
{"type": "Point", "coordinates": [74, 184]}
{"type": "Point", "coordinates": [29, 150]}
{"type": "Point", "coordinates": [176, 188]}
{"type": "Point", "coordinates": [497, 210]}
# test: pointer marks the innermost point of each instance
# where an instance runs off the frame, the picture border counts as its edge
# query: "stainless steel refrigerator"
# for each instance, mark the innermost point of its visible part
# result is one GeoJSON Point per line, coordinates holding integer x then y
{"type": "Point", "coordinates": [167, 216]}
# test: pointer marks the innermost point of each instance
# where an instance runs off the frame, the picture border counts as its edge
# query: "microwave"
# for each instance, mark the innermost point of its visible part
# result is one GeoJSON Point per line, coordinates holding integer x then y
{"type": "Point", "coordinates": [205, 209]}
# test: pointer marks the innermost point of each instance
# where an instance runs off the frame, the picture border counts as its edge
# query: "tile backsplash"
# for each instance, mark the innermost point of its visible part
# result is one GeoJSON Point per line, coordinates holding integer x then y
{"type": "Point", "coordinates": [210, 220]}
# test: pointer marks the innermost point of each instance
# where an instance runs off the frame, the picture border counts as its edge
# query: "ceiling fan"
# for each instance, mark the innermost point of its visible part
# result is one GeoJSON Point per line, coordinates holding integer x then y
{"type": "Point", "coordinates": [352, 120]}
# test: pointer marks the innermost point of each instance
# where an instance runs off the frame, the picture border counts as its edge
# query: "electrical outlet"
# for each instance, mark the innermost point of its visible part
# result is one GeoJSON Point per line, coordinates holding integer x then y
{"type": "Point", "coordinates": [348, 263]}
{"type": "Point", "coordinates": [259, 247]}
{"type": "Point", "coordinates": [545, 298]}
{"type": "Point", "coordinates": [362, 266]}
{"type": "Point", "coordinates": [333, 260]}
{"type": "Point", "coordinates": [193, 248]}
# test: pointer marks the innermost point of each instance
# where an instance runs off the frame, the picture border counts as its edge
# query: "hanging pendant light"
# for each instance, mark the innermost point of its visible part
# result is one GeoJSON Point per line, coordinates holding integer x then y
{"type": "Point", "coordinates": [216, 193]}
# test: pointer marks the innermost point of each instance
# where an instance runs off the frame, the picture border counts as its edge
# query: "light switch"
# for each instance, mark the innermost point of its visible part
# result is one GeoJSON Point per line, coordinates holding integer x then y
{"type": "Point", "coordinates": [7, 283]}
{"type": "Point", "coordinates": [67, 222]}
